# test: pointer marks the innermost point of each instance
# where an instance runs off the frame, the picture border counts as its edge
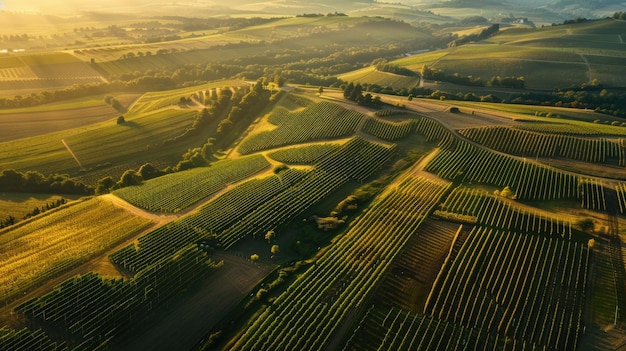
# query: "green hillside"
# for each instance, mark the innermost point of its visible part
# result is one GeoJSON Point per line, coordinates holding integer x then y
{"type": "Point", "coordinates": [548, 58]}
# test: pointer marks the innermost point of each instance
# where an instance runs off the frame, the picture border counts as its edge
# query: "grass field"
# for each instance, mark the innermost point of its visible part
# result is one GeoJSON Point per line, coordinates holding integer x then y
{"type": "Point", "coordinates": [547, 58]}
{"type": "Point", "coordinates": [49, 244]}
{"type": "Point", "coordinates": [372, 76]}
{"type": "Point", "coordinates": [23, 123]}
{"type": "Point", "coordinates": [20, 204]}
{"type": "Point", "coordinates": [160, 99]}
{"type": "Point", "coordinates": [428, 250]}
{"type": "Point", "coordinates": [140, 137]}
{"type": "Point", "coordinates": [44, 71]}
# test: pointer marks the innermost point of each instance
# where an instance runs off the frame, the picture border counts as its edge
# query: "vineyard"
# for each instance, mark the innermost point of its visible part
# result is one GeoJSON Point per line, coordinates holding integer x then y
{"type": "Point", "coordinates": [336, 286]}
{"type": "Point", "coordinates": [521, 286]}
{"type": "Point", "coordinates": [320, 121]}
{"type": "Point", "coordinates": [307, 154]}
{"type": "Point", "coordinates": [58, 240]}
{"type": "Point", "coordinates": [212, 218]}
{"type": "Point", "coordinates": [96, 310]}
{"type": "Point", "coordinates": [471, 244]}
{"type": "Point", "coordinates": [388, 130]}
{"type": "Point", "coordinates": [175, 192]}
{"type": "Point", "coordinates": [526, 143]}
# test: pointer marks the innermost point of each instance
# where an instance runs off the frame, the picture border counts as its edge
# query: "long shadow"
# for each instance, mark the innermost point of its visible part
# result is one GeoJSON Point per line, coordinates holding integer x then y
{"type": "Point", "coordinates": [615, 248]}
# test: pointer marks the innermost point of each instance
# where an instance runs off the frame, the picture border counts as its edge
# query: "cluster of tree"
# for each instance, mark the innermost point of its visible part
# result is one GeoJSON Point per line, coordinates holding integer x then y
{"type": "Point", "coordinates": [45, 208]}
{"type": "Point", "coordinates": [111, 31]}
{"type": "Point", "coordinates": [9, 221]}
{"type": "Point", "coordinates": [243, 110]}
{"type": "Point", "coordinates": [585, 96]}
{"type": "Point", "coordinates": [194, 24]}
{"type": "Point", "coordinates": [250, 105]}
{"type": "Point", "coordinates": [128, 178]}
{"type": "Point", "coordinates": [140, 84]}
{"type": "Point", "coordinates": [110, 100]}
{"type": "Point", "coordinates": [496, 81]}
{"type": "Point", "coordinates": [473, 20]}
{"type": "Point", "coordinates": [35, 182]}
{"type": "Point", "coordinates": [440, 75]}
{"type": "Point", "coordinates": [484, 34]}
{"type": "Point", "coordinates": [506, 82]}
{"type": "Point", "coordinates": [575, 20]}
{"type": "Point", "coordinates": [330, 14]}
{"type": "Point", "coordinates": [354, 92]}
{"type": "Point", "coordinates": [383, 66]}
{"type": "Point", "coordinates": [620, 15]}
{"type": "Point", "coordinates": [17, 37]}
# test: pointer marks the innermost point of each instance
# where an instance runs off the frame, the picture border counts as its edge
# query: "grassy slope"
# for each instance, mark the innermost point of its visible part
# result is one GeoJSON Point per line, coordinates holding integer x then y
{"type": "Point", "coordinates": [20, 204]}
{"type": "Point", "coordinates": [57, 240]}
{"type": "Point", "coordinates": [371, 76]}
{"type": "Point", "coordinates": [560, 53]}
{"type": "Point", "coordinates": [140, 139]}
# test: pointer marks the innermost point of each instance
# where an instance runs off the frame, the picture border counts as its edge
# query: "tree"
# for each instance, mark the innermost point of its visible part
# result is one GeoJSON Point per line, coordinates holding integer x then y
{"type": "Point", "coordinates": [586, 224]}
{"type": "Point", "coordinates": [320, 90]}
{"type": "Point", "coordinates": [207, 149]}
{"type": "Point", "coordinates": [347, 92]}
{"type": "Point", "coordinates": [254, 257]}
{"type": "Point", "coordinates": [269, 236]}
{"type": "Point", "coordinates": [104, 185]}
{"type": "Point", "coordinates": [129, 178]}
{"type": "Point", "coordinates": [275, 249]}
{"type": "Point", "coordinates": [591, 243]}
{"type": "Point", "coordinates": [121, 120]}
{"type": "Point", "coordinates": [148, 171]}
{"type": "Point", "coordinates": [357, 92]}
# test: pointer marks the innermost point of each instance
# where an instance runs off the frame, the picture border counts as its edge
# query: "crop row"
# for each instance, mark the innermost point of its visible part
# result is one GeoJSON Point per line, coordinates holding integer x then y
{"type": "Point", "coordinates": [306, 154]}
{"type": "Point", "coordinates": [307, 315]}
{"type": "Point", "coordinates": [319, 121]}
{"type": "Point", "coordinates": [620, 188]}
{"type": "Point", "coordinates": [592, 194]}
{"type": "Point", "coordinates": [95, 310]}
{"type": "Point", "coordinates": [434, 131]}
{"type": "Point", "coordinates": [493, 211]}
{"type": "Point", "coordinates": [213, 217]}
{"type": "Point", "coordinates": [397, 329]}
{"type": "Point", "coordinates": [527, 143]}
{"type": "Point", "coordinates": [530, 181]}
{"type": "Point", "coordinates": [174, 192]}
{"type": "Point", "coordinates": [387, 130]}
{"type": "Point", "coordinates": [416, 267]}
{"type": "Point", "coordinates": [571, 129]}
{"type": "Point", "coordinates": [521, 286]}
{"type": "Point", "coordinates": [58, 240]}
{"type": "Point", "coordinates": [357, 159]}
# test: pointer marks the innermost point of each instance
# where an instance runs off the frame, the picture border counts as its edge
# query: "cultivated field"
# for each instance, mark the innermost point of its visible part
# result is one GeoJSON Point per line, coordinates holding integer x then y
{"type": "Point", "coordinates": [295, 219]}
{"type": "Point", "coordinates": [47, 245]}
{"type": "Point", "coordinates": [570, 55]}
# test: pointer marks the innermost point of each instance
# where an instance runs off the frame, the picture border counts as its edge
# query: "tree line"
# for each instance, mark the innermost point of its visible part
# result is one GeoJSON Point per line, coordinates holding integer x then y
{"type": "Point", "coordinates": [239, 110]}
{"type": "Point", "coordinates": [593, 97]}
{"type": "Point", "coordinates": [35, 182]}
{"type": "Point", "coordinates": [10, 220]}
{"type": "Point", "coordinates": [495, 81]}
